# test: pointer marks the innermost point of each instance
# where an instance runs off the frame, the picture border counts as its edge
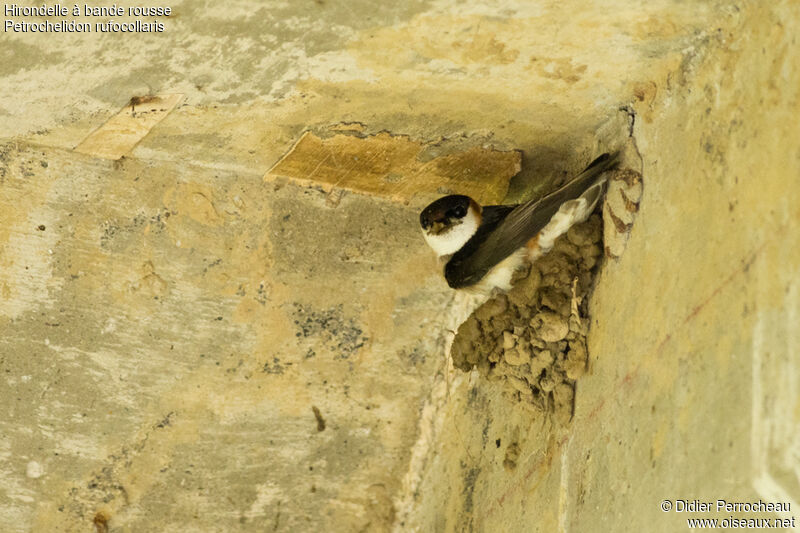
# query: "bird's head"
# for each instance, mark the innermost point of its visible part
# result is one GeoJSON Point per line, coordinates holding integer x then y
{"type": "Point", "coordinates": [449, 222]}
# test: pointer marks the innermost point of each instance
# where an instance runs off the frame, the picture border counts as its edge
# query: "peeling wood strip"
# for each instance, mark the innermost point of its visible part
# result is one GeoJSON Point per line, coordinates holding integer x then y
{"type": "Point", "coordinates": [124, 130]}
{"type": "Point", "coordinates": [391, 166]}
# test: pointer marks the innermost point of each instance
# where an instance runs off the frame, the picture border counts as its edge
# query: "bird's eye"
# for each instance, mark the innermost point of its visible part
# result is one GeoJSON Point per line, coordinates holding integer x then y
{"type": "Point", "coordinates": [460, 211]}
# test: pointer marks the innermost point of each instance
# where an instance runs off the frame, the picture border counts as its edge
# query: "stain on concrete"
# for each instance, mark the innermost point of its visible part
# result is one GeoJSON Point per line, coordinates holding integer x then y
{"type": "Point", "coordinates": [558, 68]}
{"type": "Point", "coordinates": [511, 456]}
{"type": "Point", "coordinates": [318, 417]}
{"type": "Point", "coordinates": [20, 56]}
{"type": "Point", "coordinates": [100, 521]}
{"type": "Point", "coordinates": [341, 335]}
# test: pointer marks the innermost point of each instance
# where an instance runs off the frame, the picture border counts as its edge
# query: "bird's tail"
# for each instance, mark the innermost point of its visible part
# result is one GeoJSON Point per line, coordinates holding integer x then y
{"type": "Point", "coordinates": [593, 175]}
{"type": "Point", "coordinates": [578, 185]}
{"type": "Point", "coordinates": [573, 203]}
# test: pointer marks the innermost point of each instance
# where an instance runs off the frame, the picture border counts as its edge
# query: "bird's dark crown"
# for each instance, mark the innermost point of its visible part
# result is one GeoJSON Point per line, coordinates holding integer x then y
{"type": "Point", "coordinates": [445, 210]}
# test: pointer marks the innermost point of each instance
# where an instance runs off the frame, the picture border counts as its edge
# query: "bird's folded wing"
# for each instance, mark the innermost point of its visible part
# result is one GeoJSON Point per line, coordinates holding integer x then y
{"type": "Point", "coordinates": [490, 245]}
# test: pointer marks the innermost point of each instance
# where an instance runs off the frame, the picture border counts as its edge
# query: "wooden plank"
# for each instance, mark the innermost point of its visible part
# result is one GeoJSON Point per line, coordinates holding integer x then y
{"type": "Point", "coordinates": [395, 166]}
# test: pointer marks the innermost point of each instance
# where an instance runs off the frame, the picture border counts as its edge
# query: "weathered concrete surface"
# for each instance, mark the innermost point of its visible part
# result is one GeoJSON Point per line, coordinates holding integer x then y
{"type": "Point", "coordinates": [165, 344]}
{"type": "Point", "coordinates": [167, 333]}
{"type": "Point", "coordinates": [695, 338]}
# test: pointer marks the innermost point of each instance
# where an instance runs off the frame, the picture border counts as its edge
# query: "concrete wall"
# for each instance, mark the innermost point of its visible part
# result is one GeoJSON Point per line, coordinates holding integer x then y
{"type": "Point", "coordinates": [198, 333]}
{"type": "Point", "coordinates": [694, 334]}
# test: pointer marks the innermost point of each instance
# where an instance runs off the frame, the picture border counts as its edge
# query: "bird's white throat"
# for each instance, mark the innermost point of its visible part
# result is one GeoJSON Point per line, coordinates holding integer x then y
{"type": "Point", "coordinates": [451, 241]}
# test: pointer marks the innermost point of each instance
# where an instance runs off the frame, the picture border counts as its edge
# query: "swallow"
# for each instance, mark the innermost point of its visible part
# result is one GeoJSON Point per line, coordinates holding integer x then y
{"type": "Point", "coordinates": [482, 246]}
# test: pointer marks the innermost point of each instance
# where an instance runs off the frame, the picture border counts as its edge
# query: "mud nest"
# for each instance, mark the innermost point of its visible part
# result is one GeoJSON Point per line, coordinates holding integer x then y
{"type": "Point", "coordinates": [532, 340]}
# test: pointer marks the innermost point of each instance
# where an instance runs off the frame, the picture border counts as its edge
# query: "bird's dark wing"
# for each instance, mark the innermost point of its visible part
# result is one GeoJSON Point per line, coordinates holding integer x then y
{"type": "Point", "coordinates": [492, 215]}
{"type": "Point", "coordinates": [509, 228]}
